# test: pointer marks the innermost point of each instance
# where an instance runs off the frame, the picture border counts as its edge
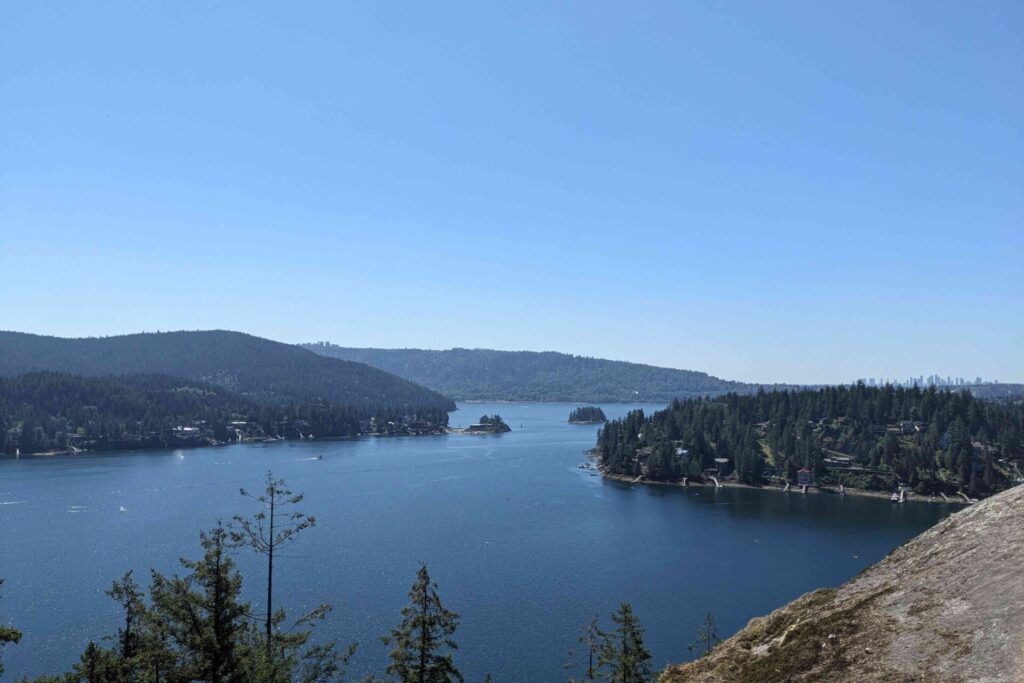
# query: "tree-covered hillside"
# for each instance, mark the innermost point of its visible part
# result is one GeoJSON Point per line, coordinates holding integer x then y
{"type": "Point", "coordinates": [255, 367]}
{"type": "Point", "coordinates": [487, 375]}
{"type": "Point", "coordinates": [50, 411]}
{"type": "Point", "coordinates": [933, 441]}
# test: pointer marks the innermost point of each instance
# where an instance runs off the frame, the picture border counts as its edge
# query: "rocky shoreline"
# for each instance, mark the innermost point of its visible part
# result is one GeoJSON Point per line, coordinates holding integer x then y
{"type": "Point", "coordinates": [943, 607]}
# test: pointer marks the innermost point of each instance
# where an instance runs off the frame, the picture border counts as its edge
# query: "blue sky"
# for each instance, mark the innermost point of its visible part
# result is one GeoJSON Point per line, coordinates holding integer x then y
{"type": "Point", "coordinates": [797, 191]}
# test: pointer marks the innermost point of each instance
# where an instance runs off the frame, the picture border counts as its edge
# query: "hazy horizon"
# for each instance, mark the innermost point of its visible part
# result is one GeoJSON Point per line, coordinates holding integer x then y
{"type": "Point", "coordinates": [794, 193]}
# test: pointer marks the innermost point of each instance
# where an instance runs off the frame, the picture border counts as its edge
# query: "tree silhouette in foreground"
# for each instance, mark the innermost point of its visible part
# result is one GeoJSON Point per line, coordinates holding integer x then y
{"type": "Point", "coordinates": [266, 531]}
{"type": "Point", "coordinates": [203, 614]}
{"type": "Point", "coordinates": [8, 634]}
{"type": "Point", "coordinates": [707, 636]}
{"type": "Point", "coordinates": [591, 638]}
{"type": "Point", "coordinates": [196, 627]}
{"type": "Point", "coordinates": [623, 652]}
{"type": "Point", "coordinates": [621, 656]}
{"type": "Point", "coordinates": [422, 643]}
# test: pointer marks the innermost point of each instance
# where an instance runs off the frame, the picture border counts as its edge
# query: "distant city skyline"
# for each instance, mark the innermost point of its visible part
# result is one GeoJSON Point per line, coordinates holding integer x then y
{"type": "Point", "coordinates": [930, 380]}
{"type": "Point", "coordinates": [793, 193]}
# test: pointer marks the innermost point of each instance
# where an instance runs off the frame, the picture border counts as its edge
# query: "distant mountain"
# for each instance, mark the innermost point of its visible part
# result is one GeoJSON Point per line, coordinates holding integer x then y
{"type": "Point", "coordinates": [484, 374]}
{"type": "Point", "coordinates": [257, 368]}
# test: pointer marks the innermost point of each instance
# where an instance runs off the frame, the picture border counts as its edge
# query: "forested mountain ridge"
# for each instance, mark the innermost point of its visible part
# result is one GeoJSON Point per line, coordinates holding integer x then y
{"type": "Point", "coordinates": [50, 411]}
{"type": "Point", "coordinates": [489, 375]}
{"type": "Point", "coordinates": [876, 438]}
{"type": "Point", "coordinates": [259, 368]}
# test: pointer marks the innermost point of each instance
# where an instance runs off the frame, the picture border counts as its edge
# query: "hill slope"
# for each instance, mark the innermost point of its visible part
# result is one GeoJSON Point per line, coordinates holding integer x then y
{"type": "Point", "coordinates": [50, 411]}
{"type": "Point", "coordinates": [945, 606]}
{"type": "Point", "coordinates": [484, 374]}
{"type": "Point", "coordinates": [259, 368]}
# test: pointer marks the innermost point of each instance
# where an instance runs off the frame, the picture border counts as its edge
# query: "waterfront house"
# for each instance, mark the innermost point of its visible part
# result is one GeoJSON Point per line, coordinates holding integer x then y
{"type": "Point", "coordinates": [803, 477]}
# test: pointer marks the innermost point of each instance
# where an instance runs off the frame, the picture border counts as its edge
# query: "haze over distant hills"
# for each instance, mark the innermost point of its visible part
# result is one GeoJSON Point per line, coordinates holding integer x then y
{"type": "Point", "coordinates": [258, 368]}
{"type": "Point", "coordinates": [490, 375]}
{"type": "Point", "coordinates": [485, 374]}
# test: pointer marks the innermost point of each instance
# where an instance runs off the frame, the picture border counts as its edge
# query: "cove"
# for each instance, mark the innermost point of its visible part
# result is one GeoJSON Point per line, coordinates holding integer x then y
{"type": "Point", "coordinates": [524, 544]}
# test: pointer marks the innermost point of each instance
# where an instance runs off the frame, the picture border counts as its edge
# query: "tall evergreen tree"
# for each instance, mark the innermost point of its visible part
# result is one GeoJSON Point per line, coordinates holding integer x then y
{"type": "Point", "coordinates": [423, 643]}
{"type": "Point", "coordinates": [203, 614]}
{"type": "Point", "coordinates": [591, 638]}
{"type": "Point", "coordinates": [273, 526]}
{"type": "Point", "coordinates": [127, 593]}
{"type": "Point", "coordinates": [707, 636]}
{"type": "Point", "coordinates": [130, 643]}
{"type": "Point", "coordinates": [96, 665]}
{"type": "Point", "coordinates": [624, 653]}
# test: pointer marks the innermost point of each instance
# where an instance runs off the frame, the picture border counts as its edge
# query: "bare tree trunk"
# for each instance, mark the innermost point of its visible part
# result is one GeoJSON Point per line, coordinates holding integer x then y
{"type": "Point", "coordinates": [270, 582]}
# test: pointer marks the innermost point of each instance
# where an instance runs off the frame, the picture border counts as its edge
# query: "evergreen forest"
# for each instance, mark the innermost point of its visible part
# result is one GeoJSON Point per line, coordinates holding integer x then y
{"type": "Point", "coordinates": [933, 441]}
{"type": "Point", "coordinates": [51, 411]}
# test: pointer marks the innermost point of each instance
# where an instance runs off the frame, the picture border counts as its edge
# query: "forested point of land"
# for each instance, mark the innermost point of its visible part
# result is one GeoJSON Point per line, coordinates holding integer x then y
{"type": "Point", "coordinates": [51, 411]}
{"type": "Point", "coordinates": [864, 437]}
{"type": "Point", "coordinates": [587, 415]}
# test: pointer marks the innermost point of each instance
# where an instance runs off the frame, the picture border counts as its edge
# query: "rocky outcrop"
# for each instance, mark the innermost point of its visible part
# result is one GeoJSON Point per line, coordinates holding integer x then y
{"type": "Point", "coordinates": [946, 606]}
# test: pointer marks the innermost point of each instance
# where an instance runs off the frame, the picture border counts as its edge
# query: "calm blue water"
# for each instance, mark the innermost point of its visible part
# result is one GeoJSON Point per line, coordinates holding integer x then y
{"type": "Point", "coordinates": [524, 545]}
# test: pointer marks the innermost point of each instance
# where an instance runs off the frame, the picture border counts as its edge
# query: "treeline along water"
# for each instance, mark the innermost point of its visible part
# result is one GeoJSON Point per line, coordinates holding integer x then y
{"type": "Point", "coordinates": [524, 544]}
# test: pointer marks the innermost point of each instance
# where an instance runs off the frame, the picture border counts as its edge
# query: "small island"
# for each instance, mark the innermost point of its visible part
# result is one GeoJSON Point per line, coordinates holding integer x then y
{"type": "Point", "coordinates": [587, 415]}
{"type": "Point", "coordinates": [488, 424]}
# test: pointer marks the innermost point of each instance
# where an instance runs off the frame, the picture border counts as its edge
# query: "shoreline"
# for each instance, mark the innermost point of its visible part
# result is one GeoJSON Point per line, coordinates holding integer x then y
{"type": "Point", "coordinates": [447, 431]}
{"type": "Point", "coordinates": [591, 465]}
{"type": "Point", "coordinates": [470, 401]}
{"type": "Point", "coordinates": [815, 490]}
{"type": "Point", "coordinates": [477, 432]}
{"type": "Point", "coordinates": [219, 444]}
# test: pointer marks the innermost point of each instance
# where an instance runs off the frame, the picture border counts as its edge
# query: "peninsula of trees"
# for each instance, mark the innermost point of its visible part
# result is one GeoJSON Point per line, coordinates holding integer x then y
{"type": "Point", "coordinates": [185, 389]}
{"type": "Point", "coordinates": [935, 442]}
{"type": "Point", "coordinates": [488, 375]}
{"type": "Point", "coordinates": [587, 415]}
{"type": "Point", "coordinates": [49, 412]}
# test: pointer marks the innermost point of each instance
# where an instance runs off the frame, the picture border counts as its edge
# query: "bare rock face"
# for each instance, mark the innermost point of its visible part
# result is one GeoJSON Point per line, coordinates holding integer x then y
{"type": "Point", "coordinates": [946, 606]}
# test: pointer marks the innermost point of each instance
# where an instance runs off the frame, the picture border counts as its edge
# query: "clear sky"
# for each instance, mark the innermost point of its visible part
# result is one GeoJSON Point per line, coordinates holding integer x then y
{"type": "Point", "coordinates": [794, 191]}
